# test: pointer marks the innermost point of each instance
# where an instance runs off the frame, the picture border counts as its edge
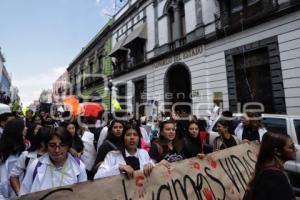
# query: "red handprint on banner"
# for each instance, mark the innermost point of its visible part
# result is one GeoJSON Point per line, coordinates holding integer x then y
{"type": "Point", "coordinates": [212, 162]}
{"type": "Point", "coordinates": [207, 193]}
{"type": "Point", "coordinates": [139, 181]}
{"type": "Point", "coordinates": [140, 191]}
{"type": "Point", "coordinates": [196, 165]}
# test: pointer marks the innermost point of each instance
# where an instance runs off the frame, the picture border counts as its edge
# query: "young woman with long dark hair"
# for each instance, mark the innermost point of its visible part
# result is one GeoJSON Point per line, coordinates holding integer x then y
{"type": "Point", "coordinates": [11, 147]}
{"type": "Point", "coordinates": [128, 158]}
{"type": "Point", "coordinates": [167, 147]}
{"type": "Point", "coordinates": [192, 144]}
{"type": "Point", "coordinates": [225, 139]}
{"type": "Point", "coordinates": [269, 181]}
{"type": "Point", "coordinates": [77, 144]}
{"type": "Point", "coordinates": [112, 142]}
{"type": "Point", "coordinates": [37, 149]}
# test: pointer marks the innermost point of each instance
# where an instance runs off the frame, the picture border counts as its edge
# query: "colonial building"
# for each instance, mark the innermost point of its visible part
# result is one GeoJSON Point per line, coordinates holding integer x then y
{"type": "Point", "coordinates": [90, 70]}
{"type": "Point", "coordinates": [201, 52]}
{"type": "Point", "coordinates": [5, 81]}
{"type": "Point", "coordinates": [61, 88]}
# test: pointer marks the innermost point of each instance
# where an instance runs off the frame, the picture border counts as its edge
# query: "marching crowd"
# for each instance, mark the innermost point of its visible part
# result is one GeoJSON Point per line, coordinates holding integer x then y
{"type": "Point", "coordinates": [38, 152]}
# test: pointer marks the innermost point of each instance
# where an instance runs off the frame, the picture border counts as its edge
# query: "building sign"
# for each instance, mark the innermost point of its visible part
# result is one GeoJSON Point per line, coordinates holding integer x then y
{"type": "Point", "coordinates": [195, 93]}
{"type": "Point", "coordinates": [178, 57]}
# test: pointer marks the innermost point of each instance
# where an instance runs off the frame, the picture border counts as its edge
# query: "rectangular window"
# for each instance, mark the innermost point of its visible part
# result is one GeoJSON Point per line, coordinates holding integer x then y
{"type": "Point", "coordinates": [252, 70]}
{"type": "Point", "coordinates": [275, 125]}
{"type": "Point", "coordinates": [236, 6]}
{"type": "Point", "coordinates": [120, 65]}
{"type": "Point", "coordinates": [244, 9]}
{"type": "Point", "coordinates": [139, 97]}
{"type": "Point", "coordinates": [91, 70]}
{"type": "Point", "coordinates": [137, 52]}
{"type": "Point", "coordinates": [100, 64]}
{"type": "Point", "coordinates": [121, 96]}
{"type": "Point", "coordinates": [81, 79]}
{"type": "Point", "coordinates": [297, 129]}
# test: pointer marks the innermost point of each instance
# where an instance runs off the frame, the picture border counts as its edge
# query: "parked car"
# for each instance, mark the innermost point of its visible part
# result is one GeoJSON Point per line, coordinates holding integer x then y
{"type": "Point", "coordinates": [280, 124]}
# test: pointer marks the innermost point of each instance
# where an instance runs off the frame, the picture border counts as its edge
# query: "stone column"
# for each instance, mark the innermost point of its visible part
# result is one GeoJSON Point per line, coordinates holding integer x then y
{"type": "Point", "coordinates": [156, 22]}
{"type": "Point", "coordinates": [198, 8]}
{"type": "Point", "coordinates": [176, 32]}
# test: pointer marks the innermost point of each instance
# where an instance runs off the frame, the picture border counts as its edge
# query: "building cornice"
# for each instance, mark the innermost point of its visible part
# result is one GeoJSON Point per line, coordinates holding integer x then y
{"type": "Point", "coordinates": [94, 41]}
{"type": "Point", "coordinates": [213, 36]}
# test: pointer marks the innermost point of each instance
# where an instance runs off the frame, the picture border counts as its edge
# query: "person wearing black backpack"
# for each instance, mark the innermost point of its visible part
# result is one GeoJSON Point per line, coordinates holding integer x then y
{"type": "Point", "coordinates": [112, 142]}
{"type": "Point", "coordinates": [56, 168]}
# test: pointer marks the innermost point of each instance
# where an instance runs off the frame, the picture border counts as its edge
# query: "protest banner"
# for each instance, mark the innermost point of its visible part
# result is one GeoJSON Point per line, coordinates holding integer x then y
{"type": "Point", "coordinates": [220, 175]}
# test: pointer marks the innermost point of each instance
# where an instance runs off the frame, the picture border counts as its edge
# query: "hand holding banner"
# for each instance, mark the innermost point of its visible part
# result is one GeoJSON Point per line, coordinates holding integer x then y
{"type": "Point", "coordinates": [220, 175]}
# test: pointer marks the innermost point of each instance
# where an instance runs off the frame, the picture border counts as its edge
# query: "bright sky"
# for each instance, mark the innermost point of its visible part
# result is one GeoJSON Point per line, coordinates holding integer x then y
{"type": "Point", "coordinates": [39, 38]}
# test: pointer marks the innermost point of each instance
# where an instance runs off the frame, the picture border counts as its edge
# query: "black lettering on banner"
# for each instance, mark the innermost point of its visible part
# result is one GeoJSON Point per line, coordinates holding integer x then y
{"type": "Point", "coordinates": [250, 154]}
{"type": "Point", "coordinates": [235, 171]}
{"type": "Point", "coordinates": [207, 170]}
{"type": "Point", "coordinates": [208, 183]}
{"type": "Point", "coordinates": [164, 187]}
{"type": "Point", "coordinates": [184, 187]}
{"type": "Point", "coordinates": [203, 178]}
{"type": "Point", "coordinates": [229, 173]}
{"type": "Point", "coordinates": [240, 173]}
{"type": "Point", "coordinates": [234, 168]}
{"type": "Point", "coordinates": [125, 190]}
{"type": "Point", "coordinates": [181, 188]}
{"type": "Point", "coordinates": [249, 167]}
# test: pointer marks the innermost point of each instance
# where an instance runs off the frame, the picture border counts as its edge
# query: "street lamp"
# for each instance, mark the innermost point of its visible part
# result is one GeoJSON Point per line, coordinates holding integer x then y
{"type": "Point", "coordinates": [110, 85]}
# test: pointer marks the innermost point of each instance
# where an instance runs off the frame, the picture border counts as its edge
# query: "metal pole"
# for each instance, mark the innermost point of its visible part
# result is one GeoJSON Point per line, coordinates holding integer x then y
{"type": "Point", "coordinates": [110, 89]}
{"type": "Point", "coordinates": [110, 85]}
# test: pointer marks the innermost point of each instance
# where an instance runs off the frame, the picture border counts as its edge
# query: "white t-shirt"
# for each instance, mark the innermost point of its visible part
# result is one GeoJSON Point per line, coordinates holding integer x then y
{"type": "Point", "coordinates": [102, 136]}
{"type": "Point", "coordinates": [113, 159]}
{"type": "Point", "coordinates": [89, 153]}
{"type": "Point", "coordinates": [48, 176]}
{"type": "Point", "coordinates": [19, 167]}
{"type": "Point", "coordinates": [5, 168]}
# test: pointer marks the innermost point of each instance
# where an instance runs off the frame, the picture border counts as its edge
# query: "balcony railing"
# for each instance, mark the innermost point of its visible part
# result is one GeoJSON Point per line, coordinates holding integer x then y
{"type": "Point", "coordinates": [245, 16]}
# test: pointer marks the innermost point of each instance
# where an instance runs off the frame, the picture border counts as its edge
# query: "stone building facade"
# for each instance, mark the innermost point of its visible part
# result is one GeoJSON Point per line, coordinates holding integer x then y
{"type": "Point", "coordinates": [91, 68]}
{"type": "Point", "coordinates": [190, 54]}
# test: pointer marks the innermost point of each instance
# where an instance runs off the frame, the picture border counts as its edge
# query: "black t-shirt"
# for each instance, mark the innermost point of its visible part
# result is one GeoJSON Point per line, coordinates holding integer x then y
{"type": "Point", "coordinates": [77, 144]}
{"type": "Point", "coordinates": [191, 147]}
{"type": "Point", "coordinates": [158, 154]}
{"type": "Point", "coordinates": [227, 143]}
{"type": "Point", "coordinates": [273, 185]}
{"type": "Point", "coordinates": [250, 134]}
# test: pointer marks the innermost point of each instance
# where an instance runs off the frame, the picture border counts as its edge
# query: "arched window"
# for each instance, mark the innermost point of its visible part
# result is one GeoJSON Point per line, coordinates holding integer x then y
{"type": "Point", "coordinates": [182, 19]}
{"type": "Point", "coordinates": [171, 23]}
{"type": "Point", "coordinates": [176, 20]}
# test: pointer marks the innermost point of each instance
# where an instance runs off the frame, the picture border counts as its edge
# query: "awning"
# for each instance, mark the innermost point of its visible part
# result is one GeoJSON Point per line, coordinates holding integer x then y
{"type": "Point", "coordinates": [118, 47]}
{"type": "Point", "coordinates": [138, 33]}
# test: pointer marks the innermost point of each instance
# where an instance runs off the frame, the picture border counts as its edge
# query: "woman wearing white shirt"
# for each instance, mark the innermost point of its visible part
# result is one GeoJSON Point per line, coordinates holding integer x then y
{"type": "Point", "coordinates": [37, 149]}
{"type": "Point", "coordinates": [56, 168]}
{"type": "Point", "coordinates": [11, 146]}
{"type": "Point", "coordinates": [128, 159]}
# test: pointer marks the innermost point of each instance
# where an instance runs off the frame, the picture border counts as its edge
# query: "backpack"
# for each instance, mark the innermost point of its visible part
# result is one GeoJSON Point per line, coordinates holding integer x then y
{"type": "Point", "coordinates": [159, 149]}
{"type": "Point", "coordinates": [96, 136]}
